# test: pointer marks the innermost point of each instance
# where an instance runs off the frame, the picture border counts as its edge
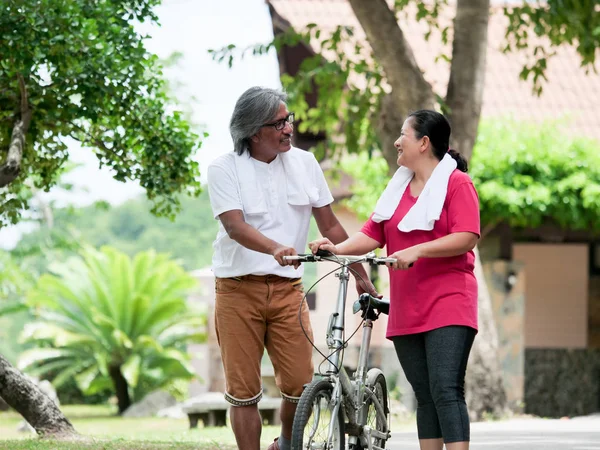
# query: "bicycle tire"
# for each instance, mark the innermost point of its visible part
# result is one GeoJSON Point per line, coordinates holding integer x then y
{"type": "Point", "coordinates": [316, 400]}
{"type": "Point", "coordinates": [376, 382]}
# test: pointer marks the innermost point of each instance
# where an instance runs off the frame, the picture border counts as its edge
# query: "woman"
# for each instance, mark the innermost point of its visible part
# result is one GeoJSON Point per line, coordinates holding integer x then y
{"type": "Point", "coordinates": [428, 218]}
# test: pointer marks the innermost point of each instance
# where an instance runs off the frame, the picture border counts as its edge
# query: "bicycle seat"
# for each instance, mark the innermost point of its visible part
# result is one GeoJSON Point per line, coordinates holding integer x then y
{"type": "Point", "coordinates": [365, 300]}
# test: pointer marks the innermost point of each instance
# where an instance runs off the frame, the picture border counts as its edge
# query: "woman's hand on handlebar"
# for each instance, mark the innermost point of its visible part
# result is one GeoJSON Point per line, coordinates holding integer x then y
{"type": "Point", "coordinates": [324, 244]}
{"type": "Point", "coordinates": [404, 258]}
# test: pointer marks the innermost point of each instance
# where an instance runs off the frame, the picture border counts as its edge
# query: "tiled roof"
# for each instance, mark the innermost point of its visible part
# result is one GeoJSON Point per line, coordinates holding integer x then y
{"type": "Point", "coordinates": [569, 91]}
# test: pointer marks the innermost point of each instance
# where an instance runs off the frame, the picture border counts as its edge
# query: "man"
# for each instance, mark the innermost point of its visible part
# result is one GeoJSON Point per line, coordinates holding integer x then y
{"type": "Point", "coordinates": [263, 194]}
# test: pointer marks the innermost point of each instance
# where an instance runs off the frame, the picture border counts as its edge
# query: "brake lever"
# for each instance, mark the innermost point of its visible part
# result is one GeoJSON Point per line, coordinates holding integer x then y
{"type": "Point", "coordinates": [324, 253]}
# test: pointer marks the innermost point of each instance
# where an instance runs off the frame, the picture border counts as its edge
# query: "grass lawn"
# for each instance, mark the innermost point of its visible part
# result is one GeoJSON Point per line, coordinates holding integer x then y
{"type": "Point", "coordinates": [107, 431]}
{"type": "Point", "coordinates": [103, 430]}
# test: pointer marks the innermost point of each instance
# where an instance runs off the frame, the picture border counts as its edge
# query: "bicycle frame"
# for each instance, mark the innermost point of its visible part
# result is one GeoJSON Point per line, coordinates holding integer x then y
{"type": "Point", "coordinates": [350, 391]}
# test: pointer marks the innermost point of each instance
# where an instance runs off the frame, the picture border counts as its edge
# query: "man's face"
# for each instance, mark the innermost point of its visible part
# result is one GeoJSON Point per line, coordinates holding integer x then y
{"type": "Point", "coordinates": [270, 139]}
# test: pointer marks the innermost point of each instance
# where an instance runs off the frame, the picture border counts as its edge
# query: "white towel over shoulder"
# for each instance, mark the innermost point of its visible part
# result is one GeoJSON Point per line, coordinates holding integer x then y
{"type": "Point", "coordinates": [300, 190]}
{"type": "Point", "coordinates": [428, 208]}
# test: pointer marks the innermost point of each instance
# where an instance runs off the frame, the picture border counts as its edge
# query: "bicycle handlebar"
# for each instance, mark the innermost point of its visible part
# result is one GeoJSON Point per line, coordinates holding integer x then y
{"type": "Point", "coordinates": [348, 259]}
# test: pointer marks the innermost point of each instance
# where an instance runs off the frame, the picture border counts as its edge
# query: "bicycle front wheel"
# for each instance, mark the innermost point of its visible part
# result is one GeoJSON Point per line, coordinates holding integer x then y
{"type": "Point", "coordinates": [313, 418]}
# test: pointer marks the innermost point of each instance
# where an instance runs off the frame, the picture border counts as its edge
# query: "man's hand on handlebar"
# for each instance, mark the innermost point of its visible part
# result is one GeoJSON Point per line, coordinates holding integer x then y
{"type": "Point", "coordinates": [281, 251]}
{"type": "Point", "coordinates": [323, 244]}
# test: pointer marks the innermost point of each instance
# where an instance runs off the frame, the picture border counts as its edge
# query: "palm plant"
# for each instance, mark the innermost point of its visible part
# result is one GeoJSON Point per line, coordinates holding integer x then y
{"type": "Point", "coordinates": [113, 322]}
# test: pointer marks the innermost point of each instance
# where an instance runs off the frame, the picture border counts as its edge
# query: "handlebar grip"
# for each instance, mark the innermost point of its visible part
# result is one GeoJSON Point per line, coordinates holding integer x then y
{"type": "Point", "coordinates": [384, 261]}
{"type": "Point", "coordinates": [323, 253]}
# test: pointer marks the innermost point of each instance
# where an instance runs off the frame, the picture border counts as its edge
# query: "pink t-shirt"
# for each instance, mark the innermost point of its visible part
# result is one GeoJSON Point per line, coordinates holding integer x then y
{"type": "Point", "coordinates": [435, 292]}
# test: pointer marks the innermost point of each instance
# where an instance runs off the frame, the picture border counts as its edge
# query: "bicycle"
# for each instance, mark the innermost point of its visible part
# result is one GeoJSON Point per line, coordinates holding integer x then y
{"type": "Point", "coordinates": [336, 404]}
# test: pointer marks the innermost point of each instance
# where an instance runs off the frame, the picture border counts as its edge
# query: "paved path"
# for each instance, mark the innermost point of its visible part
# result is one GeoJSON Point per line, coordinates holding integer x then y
{"type": "Point", "coordinates": [582, 433]}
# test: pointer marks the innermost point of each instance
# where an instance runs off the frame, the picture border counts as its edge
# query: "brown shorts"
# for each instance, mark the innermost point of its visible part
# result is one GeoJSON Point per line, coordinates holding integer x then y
{"type": "Point", "coordinates": [253, 312]}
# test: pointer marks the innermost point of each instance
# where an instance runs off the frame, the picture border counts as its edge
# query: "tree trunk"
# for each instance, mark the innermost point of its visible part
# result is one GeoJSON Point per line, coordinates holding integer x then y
{"type": "Point", "coordinates": [467, 73]}
{"type": "Point", "coordinates": [484, 385]}
{"type": "Point", "coordinates": [121, 388]}
{"type": "Point", "coordinates": [29, 401]}
{"type": "Point", "coordinates": [485, 388]}
{"type": "Point", "coordinates": [12, 167]}
{"type": "Point", "coordinates": [3, 405]}
{"type": "Point", "coordinates": [391, 119]}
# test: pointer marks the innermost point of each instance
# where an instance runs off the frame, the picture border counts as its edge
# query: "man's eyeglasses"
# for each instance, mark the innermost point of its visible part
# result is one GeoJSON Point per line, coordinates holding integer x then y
{"type": "Point", "coordinates": [280, 124]}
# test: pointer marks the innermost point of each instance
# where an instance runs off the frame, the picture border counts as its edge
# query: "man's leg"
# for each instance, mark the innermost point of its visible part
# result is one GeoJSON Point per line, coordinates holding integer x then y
{"type": "Point", "coordinates": [247, 426]}
{"type": "Point", "coordinates": [289, 349]}
{"type": "Point", "coordinates": [240, 327]}
{"type": "Point", "coordinates": [286, 413]}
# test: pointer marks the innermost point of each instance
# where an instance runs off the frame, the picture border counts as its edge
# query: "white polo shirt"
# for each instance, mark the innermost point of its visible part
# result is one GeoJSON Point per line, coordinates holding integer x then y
{"type": "Point", "coordinates": [284, 223]}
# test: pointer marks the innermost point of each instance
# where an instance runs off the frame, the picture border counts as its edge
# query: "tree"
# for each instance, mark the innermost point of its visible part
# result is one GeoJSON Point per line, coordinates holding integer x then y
{"type": "Point", "coordinates": [527, 178]}
{"type": "Point", "coordinates": [364, 93]}
{"type": "Point", "coordinates": [113, 323]}
{"type": "Point", "coordinates": [78, 70]}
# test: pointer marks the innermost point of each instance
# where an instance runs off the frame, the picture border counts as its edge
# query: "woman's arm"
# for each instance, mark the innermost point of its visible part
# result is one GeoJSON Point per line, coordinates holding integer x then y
{"type": "Point", "coordinates": [452, 245]}
{"type": "Point", "coordinates": [357, 244]}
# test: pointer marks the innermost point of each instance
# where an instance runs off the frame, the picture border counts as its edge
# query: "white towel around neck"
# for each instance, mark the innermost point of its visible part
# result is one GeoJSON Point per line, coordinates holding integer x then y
{"type": "Point", "coordinates": [428, 208]}
{"type": "Point", "coordinates": [300, 190]}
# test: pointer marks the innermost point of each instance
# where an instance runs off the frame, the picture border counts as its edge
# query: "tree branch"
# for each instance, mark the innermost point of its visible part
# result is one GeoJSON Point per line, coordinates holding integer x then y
{"type": "Point", "coordinates": [11, 168]}
{"type": "Point", "coordinates": [97, 142]}
{"type": "Point", "coordinates": [410, 90]}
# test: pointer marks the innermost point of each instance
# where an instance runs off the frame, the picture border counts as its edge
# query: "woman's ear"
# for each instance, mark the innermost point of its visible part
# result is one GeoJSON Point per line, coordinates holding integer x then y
{"type": "Point", "coordinates": [425, 143]}
{"type": "Point", "coordinates": [255, 138]}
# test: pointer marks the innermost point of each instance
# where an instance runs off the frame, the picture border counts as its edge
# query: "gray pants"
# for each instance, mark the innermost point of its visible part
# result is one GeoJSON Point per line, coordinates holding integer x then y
{"type": "Point", "coordinates": [435, 363]}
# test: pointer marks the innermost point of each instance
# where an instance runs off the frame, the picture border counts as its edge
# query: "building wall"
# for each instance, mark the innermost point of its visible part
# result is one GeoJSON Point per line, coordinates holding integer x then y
{"type": "Point", "coordinates": [556, 310]}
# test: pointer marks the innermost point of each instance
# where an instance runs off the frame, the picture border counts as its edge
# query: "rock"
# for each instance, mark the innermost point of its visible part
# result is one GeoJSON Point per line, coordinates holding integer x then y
{"type": "Point", "coordinates": [150, 405]}
{"type": "Point", "coordinates": [24, 427]}
{"type": "Point", "coordinates": [173, 412]}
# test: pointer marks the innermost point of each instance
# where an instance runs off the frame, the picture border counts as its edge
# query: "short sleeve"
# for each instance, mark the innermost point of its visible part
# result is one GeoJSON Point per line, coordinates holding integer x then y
{"type": "Point", "coordinates": [374, 230]}
{"type": "Point", "coordinates": [325, 197]}
{"type": "Point", "coordinates": [463, 210]}
{"type": "Point", "coordinates": [222, 190]}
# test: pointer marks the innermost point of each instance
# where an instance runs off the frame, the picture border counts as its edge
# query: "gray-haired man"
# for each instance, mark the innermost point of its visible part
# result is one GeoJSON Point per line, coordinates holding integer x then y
{"type": "Point", "coordinates": [264, 194]}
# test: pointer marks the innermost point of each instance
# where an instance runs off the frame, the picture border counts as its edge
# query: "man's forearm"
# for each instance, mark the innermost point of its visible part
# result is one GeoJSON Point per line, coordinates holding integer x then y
{"type": "Point", "coordinates": [249, 237]}
{"type": "Point", "coordinates": [335, 234]}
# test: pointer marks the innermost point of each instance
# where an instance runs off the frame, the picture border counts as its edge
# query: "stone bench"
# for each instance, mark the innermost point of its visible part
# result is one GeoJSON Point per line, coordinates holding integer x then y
{"type": "Point", "coordinates": [211, 408]}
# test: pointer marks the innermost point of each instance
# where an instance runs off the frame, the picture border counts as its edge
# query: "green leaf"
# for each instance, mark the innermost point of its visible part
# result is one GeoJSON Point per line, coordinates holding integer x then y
{"type": "Point", "coordinates": [131, 370]}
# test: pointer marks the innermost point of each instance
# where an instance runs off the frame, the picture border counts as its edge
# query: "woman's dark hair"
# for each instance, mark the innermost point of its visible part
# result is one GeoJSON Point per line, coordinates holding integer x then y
{"type": "Point", "coordinates": [437, 128]}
